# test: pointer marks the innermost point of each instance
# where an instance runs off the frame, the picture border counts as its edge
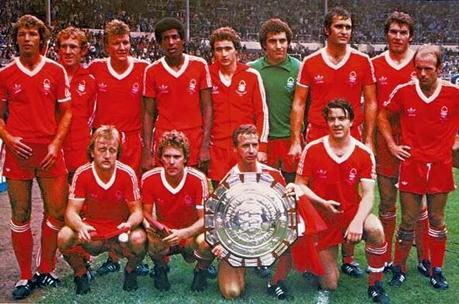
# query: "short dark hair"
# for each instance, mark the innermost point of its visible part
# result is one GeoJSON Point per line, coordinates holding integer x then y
{"type": "Point", "coordinates": [166, 24]}
{"type": "Point", "coordinates": [106, 132]}
{"type": "Point", "coordinates": [339, 103]}
{"type": "Point", "coordinates": [29, 21]}
{"type": "Point", "coordinates": [175, 139]}
{"type": "Point", "coordinates": [400, 18]}
{"type": "Point", "coordinates": [274, 25]}
{"type": "Point", "coordinates": [245, 129]}
{"type": "Point", "coordinates": [337, 11]}
{"type": "Point", "coordinates": [225, 33]}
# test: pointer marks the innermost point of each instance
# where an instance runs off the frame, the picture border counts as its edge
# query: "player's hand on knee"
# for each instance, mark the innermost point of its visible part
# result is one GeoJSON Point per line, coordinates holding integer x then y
{"type": "Point", "coordinates": [84, 233]}
{"type": "Point", "coordinates": [124, 225]}
{"type": "Point", "coordinates": [175, 236]}
{"type": "Point", "coordinates": [354, 232]}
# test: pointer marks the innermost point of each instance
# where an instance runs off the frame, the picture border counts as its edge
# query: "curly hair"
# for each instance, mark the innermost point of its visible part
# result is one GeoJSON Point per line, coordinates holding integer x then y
{"type": "Point", "coordinates": [225, 33]}
{"type": "Point", "coordinates": [274, 25]}
{"type": "Point", "coordinates": [175, 139]}
{"type": "Point", "coordinates": [166, 24]}
{"type": "Point", "coordinates": [72, 32]}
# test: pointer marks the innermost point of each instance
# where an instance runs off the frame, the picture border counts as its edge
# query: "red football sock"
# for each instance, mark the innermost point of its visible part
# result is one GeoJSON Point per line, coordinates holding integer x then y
{"type": "Point", "coordinates": [437, 242]}
{"type": "Point", "coordinates": [283, 268]}
{"type": "Point", "coordinates": [21, 237]}
{"type": "Point", "coordinates": [388, 220]}
{"type": "Point", "coordinates": [403, 245]}
{"type": "Point", "coordinates": [422, 236]}
{"type": "Point", "coordinates": [46, 260]}
{"type": "Point", "coordinates": [347, 251]}
{"type": "Point", "coordinates": [375, 258]}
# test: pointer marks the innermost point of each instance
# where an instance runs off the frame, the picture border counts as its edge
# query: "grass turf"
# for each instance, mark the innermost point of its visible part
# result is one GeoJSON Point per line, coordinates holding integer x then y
{"type": "Point", "coordinates": [416, 289]}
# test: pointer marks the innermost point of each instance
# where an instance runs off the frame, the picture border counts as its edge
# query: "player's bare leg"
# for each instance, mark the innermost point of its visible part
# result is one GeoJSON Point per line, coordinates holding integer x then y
{"type": "Point", "coordinates": [411, 204]}
{"type": "Point", "coordinates": [231, 280]}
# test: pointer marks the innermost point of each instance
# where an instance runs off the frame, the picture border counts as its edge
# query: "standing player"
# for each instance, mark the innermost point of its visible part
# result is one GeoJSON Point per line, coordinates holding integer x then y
{"type": "Point", "coordinates": [279, 72]}
{"type": "Point", "coordinates": [238, 97]}
{"type": "Point", "coordinates": [119, 80]}
{"type": "Point", "coordinates": [177, 96]}
{"type": "Point", "coordinates": [108, 192]}
{"type": "Point", "coordinates": [72, 45]}
{"type": "Point", "coordinates": [429, 120]}
{"type": "Point", "coordinates": [393, 67]}
{"type": "Point", "coordinates": [34, 92]}
{"type": "Point", "coordinates": [231, 280]}
{"type": "Point", "coordinates": [335, 71]}
{"type": "Point", "coordinates": [330, 173]}
{"type": "Point", "coordinates": [173, 195]}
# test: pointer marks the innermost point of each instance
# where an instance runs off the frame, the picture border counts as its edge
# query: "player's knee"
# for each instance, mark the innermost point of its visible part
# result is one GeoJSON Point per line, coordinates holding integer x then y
{"type": "Point", "coordinates": [201, 243]}
{"type": "Point", "coordinates": [20, 215]}
{"type": "Point", "coordinates": [329, 283]}
{"type": "Point", "coordinates": [65, 238]}
{"type": "Point", "coordinates": [409, 220]}
{"type": "Point", "coordinates": [387, 208]}
{"type": "Point", "coordinates": [137, 238]}
{"type": "Point", "coordinates": [231, 291]}
{"type": "Point", "coordinates": [436, 220]}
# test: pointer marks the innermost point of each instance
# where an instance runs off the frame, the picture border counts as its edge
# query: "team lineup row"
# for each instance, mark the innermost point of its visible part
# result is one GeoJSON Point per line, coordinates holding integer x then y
{"type": "Point", "coordinates": [177, 113]}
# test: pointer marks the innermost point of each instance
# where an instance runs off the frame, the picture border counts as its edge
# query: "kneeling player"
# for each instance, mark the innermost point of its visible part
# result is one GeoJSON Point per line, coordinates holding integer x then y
{"type": "Point", "coordinates": [330, 172]}
{"type": "Point", "coordinates": [231, 280]}
{"type": "Point", "coordinates": [172, 204]}
{"type": "Point", "coordinates": [107, 191]}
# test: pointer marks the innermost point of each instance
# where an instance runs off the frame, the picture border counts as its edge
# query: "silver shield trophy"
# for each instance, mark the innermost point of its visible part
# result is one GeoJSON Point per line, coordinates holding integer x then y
{"type": "Point", "coordinates": [252, 218]}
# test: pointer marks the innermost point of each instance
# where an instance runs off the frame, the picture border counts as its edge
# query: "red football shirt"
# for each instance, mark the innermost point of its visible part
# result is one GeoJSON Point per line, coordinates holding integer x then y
{"type": "Point", "coordinates": [105, 203]}
{"type": "Point", "coordinates": [119, 96]}
{"type": "Point", "coordinates": [32, 97]}
{"type": "Point", "coordinates": [327, 81]}
{"type": "Point", "coordinates": [175, 207]}
{"type": "Point", "coordinates": [337, 178]}
{"type": "Point", "coordinates": [428, 124]}
{"type": "Point", "coordinates": [83, 90]}
{"type": "Point", "coordinates": [240, 101]}
{"type": "Point", "coordinates": [177, 93]}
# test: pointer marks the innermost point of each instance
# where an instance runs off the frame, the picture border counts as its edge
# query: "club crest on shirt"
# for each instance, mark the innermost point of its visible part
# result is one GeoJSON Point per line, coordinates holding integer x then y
{"type": "Point", "coordinates": [102, 87]}
{"type": "Point", "coordinates": [241, 88]}
{"type": "Point", "coordinates": [290, 85]}
{"type": "Point", "coordinates": [119, 195]}
{"type": "Point", "coordinates": [192, 86]}
{"type": "Point", "coordinates": [319, 79]}
{"type": "Point", "coordinates": [17, 88]}
{"type": "Point", "coordinates": [81, 88]}
{"type": "Point", "coordinates": [46, 86]}
{"type": "Point", "coordinates": [352, 175]}
{"type": "Point", "coordinates": [135, 88]}
{"type": "Point", "coordinates": [444, 113]}
{"type": "Point", "coordinates": [352, 78]}
{"type": "Point", "coordinates": [188, 200]}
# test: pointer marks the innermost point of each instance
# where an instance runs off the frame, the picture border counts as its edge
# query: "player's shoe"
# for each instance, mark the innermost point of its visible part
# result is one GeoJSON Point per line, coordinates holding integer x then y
{"type": "Point", "coordinates": [161, 281]}
{"type": "Point", "coordinates": [212, 272]}
{"type": "Point", "coordinates": [378, 294]}
{"type": "Point", "coordinates": [82, 284]}
{"type": "Point", "coordinates": [279, 291]}
{"type": "Point", "coordinates": [199, 280]}
{"type": "Point", "coordinates": [107, 267]}
{"type": "Point", "coordinates": [263, 271]}
{"type": "Point", "coordinates": [437, 279]}
{"type": "Point", "coordinates": [23, 289]}
{"type": "Point", "coordinates": [398, 277]}
{"type": "Point", "coordinates": [130, 280]}
{"type": "Point", "coordinates": [424, 268]}
{"type": "Point", "coordinates": [352, 269]}
{"type": "Point", "coordinates": [46, 279]}
{"type": "Point", "coordinates": [142, 269]}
